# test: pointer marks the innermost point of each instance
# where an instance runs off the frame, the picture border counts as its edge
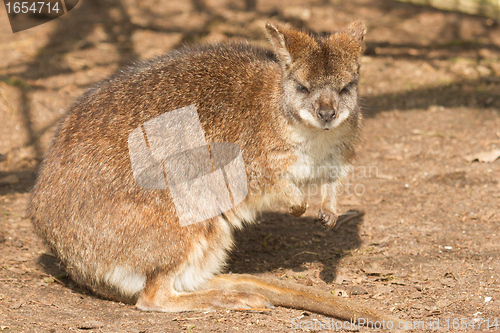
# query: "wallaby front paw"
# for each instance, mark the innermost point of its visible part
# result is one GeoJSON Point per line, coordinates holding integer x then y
{"type": "Point", "coordinates": [327, 217]}
{"type": "Point", "coordinates": [298, 210]}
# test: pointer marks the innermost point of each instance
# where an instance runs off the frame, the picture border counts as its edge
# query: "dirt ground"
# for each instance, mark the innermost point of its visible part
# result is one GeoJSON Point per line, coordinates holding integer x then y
{"type": "Point", "coordinates": [427, 247]}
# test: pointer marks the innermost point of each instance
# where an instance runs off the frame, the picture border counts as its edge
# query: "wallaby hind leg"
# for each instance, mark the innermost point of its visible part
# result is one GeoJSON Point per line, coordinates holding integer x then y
{"type": "Point", "coordinates": [159, 295]}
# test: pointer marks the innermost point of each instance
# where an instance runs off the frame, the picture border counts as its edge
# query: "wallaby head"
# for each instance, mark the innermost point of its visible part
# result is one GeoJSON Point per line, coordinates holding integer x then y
{"type": "Point", "coordinates": [320, 74]}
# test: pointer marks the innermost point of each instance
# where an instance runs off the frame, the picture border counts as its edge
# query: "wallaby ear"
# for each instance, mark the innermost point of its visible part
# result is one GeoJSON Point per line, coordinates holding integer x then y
{"type": "Point", "coordinates": [290, 44]}
{"type": "Point", "coordinates": [277, 38]}
{"type": "Point", "coordinates": [357, 30]}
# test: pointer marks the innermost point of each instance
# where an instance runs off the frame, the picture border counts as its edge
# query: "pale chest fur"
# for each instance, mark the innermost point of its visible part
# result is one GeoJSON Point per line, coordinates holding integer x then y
{"type": "Point", "coordinates": [320, 155]}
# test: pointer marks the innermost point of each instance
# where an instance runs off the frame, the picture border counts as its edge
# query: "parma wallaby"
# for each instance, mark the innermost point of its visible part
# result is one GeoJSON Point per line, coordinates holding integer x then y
{"type": "Point", "coordinates": [293, 112]}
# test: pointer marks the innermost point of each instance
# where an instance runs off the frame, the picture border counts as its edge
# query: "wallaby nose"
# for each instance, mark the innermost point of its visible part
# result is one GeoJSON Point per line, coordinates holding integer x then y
{"type": "Point", "coordinates": [327, 114]}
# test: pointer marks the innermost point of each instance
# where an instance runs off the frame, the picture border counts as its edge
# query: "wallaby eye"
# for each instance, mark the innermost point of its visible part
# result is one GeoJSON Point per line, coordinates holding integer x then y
{"type": "Point", "coordinates": [300, 88]}
{"type": "Point", "coordinates": [347, 89]}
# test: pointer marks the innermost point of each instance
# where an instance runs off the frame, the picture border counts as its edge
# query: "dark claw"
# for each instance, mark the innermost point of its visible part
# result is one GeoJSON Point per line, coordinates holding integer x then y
{"type": "Point", "coordinates": [329, 219]}
{"type": "Point", "coordinates": [298, 210]}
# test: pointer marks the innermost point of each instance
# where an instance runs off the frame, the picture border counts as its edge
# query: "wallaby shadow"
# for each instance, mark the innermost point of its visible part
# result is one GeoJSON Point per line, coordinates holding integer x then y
{"type": "Point", "coordinates": [50, 266]}
{"type": "Point", "coordinates": [279, 240]}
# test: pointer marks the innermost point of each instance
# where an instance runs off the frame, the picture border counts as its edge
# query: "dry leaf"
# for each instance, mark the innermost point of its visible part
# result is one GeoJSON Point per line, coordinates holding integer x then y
{"type": "Point", "coordinates": [484, 157]}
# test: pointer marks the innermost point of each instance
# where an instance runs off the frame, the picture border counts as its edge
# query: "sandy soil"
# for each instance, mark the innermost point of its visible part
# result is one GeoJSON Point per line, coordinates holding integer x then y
{"type": "Point", "coordinates": [427, 247]}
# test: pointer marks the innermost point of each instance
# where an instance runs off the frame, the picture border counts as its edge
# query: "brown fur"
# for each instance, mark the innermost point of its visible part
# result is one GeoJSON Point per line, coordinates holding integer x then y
{"type": "Point", "coordinates": [125, 243]}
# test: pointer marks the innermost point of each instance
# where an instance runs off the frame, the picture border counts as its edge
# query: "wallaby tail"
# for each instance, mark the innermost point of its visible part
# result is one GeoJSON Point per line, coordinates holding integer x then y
{"type": "Point", "coordinates": [292, 295]}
